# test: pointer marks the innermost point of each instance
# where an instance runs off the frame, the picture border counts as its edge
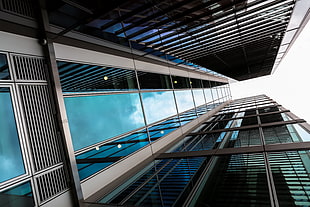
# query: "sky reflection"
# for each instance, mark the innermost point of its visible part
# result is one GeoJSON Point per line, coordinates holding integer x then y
{"type": "Point", "coordinates": [96, 118]}
{"type": "Point", "coordinates": [158, 105]}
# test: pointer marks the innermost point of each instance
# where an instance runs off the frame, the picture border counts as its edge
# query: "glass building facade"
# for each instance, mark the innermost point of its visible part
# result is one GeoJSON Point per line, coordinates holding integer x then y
{"type": "Point", "coordinates": [114, 103]}
{"type": "Point", "coordinates": [245, 155]}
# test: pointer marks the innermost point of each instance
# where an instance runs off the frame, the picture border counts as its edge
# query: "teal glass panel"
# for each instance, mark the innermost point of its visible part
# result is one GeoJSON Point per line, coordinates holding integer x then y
{"type": "Point", "coordinates": [166, 183]}
{"type": "Point", "coordinates": [184, 100]}
{"type": "Point", "coordinates": [4, 68]}
{"type": "Point", "coordinates": [10, 152]}
{"type": "Point", "coordinates": [109, 153]}
{"type": "Point", "coordinates": [235, 180]}
{"type": "Point", "coordinates": [290, 172]}
{"type": "Point", "coordinates": [17, 196]}
{"type": "Point", "coordinates": [93, 119]}
{"type": "Point", "coordinates": [158, 105]}
{"type": "Point", "coordinates": [198, 97]}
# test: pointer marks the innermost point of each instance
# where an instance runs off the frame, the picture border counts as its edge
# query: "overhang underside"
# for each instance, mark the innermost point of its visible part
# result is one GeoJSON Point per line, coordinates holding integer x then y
{"type": "Point", "coordinates": [248, 61]}
{"type": "Point", "coordinates": [236, 38]}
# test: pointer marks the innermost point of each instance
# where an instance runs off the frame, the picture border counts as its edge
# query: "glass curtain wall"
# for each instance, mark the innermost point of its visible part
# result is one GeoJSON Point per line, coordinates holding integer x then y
{"type": "Point", "coordinates": [225, 175]}
{"type": "Point", "coordinates": [114, 111]}
{"type": "Point", "coordinates": [109, 109]}
{"type": "Point", "coordinates": [15, 184]}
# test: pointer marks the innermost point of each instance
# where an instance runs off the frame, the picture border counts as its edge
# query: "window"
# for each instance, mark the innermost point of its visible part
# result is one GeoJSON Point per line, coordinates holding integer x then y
{"type": "Point", "coordinates": [4, 68]}
{"type": "Point", "coordinates": [10, 151]}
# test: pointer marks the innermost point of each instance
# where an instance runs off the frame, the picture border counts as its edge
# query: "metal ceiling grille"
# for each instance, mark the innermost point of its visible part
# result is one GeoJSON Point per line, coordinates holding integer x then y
{"type": "Point", "coordinates": [238, 38]}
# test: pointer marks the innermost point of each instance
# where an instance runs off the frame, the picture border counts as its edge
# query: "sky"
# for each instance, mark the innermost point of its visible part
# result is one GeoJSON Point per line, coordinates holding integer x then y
{"type": "Point", "coordinates": [290, 83]}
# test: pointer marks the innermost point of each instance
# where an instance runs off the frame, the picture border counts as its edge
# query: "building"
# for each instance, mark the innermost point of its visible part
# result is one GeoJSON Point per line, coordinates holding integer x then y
{"type": "Point", "coordinates": [128, 103]}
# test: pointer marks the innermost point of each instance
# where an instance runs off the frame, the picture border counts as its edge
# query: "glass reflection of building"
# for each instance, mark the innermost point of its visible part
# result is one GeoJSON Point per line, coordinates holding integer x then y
{"type": "Point", "coordinates": [114, 104]}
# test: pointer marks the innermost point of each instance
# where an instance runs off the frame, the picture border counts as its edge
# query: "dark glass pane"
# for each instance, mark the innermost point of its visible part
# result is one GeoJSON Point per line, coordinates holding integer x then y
{"type": "Point", "coordinates": [271, 118]}
{"type": "Point", "coordinates": [93, 119]}
{"type": "Point", "coordinates": [249, 121]}
{"type": "Point", "coordinates": [154, 81]}
{"type": "Point", "coordinates": [236, 180]}
{"type": "Point", "coordinates": [166, 183]}
{"type": "Point", "coordinates": [76, 77]}
{"type": "Point", "coordinates": [180, 82]}
{"type": "Point", "coordinates": [4, 68]}
{"type": "Point", "coordinates": [18, 196]}
{"type": "Point", "coordinates": [285, 134]}
{"type": "Point", "coordinates": [10, 152]}
{"type": "Point", "coordinates": [196, 83]}
{"type": "Point", "coordinates": [290, 171]}
{"type": "Point", "coordinates": [244, 138]}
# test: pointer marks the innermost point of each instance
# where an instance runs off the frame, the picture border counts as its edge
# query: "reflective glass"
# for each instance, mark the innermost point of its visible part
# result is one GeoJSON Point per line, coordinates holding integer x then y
{"type": "Point", "coordinates": [109, 153]}
{"type": "Point", "coordinates": [10, 152]}
{"type": "Point", "coordinates": [154, 81]}
{"type": "Point", "coordinates": [285, 134]}
{"type": "Point", "coordinates": [4, 68]}
{"type": "Point", "coordinates": [244, 138]}
{"type": "Point", "coordinates": [75, 77]}
{"type": "Point", "coordinates": [208, 95]}
{"type": "Point", "coordinates": [196, 83]}
{"type": "Point", "coordinates": [93, 119]}
{"type": "Point", "coordinates": [17, 196]}
{"type": "Point", "coordinates": [158, 105]}
{"type": "Point", "coordinates": [180, 82]}
{"type": "Point", "coordinates": [198, 97]}
{"type": "Point", "coordinates": [166, 183]}
{"type": "Point", "coordinates": [184, 100]}
{"type": "Point", "coordinates": [235, 180]}
{"type": "Point", "coordinates": [290, 172]}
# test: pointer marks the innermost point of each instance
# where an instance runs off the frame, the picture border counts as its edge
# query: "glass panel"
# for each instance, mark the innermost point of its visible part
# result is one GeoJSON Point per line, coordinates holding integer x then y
{"type": "Point", "coordinates": [4, 68]}
{"type": "Point", "coordinates": [198, 97]}
{"type": "Point", "coordinates": [75, 77]}
{"type": "Point", "coordinates": [10, 152]}
{"type": "Point", "coordinates": [154, 81]}
{"type": "Point", "coordinates": [208, 94]}
{"type": "Point", "coordinates": [163, 128]}
{"type": "Point", "coordinates": [285, 134]}
{"type": "Point", "coordinates": [236, 180]}
{"type": "Point", "coordinates": [158, 105]}
{"type": "Point", "coordinates": [271, 118]}
{"type": "Point", "coordinates": [196, 83]}
{"type": "Point", "coordinates": [109, 153]}
{"type": "Point", "coordinates": [20, 195]}
{"type": "Point", "coordinates": [180, 82]}
{"type": "Point", "coordinates": [166, 183]}
{"type": "Point", "coordinates": [290, 171]}
{"type": "Point", "coordinates": [244, 138]}
{"type": "Point", "coordinates": [93, 119]}
{"type": "Point", "coordinates": [184, 100]}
